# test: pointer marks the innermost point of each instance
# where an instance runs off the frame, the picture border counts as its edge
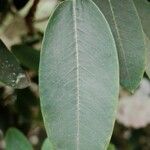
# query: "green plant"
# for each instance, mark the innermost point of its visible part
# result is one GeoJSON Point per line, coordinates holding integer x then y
{"type": "Point", "coordinates": [89, 48]}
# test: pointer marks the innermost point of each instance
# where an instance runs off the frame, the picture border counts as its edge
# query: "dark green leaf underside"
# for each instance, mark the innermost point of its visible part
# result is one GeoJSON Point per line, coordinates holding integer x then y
{"type": "Point", "coordinates": [11, 73]}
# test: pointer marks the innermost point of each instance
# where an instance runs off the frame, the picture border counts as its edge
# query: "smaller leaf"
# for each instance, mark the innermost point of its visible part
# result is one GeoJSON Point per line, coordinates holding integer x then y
{"type": "Point", "coordinates": [111, 147]}
{"type": "Point", "coordinates": [15, 140]}
{"type": "Point", "coordinates": [47, 145]}
{"type": "Point", "coordinates": [28, 56]}
{"type": "Point", "coordinates": [126, 27]}
{"type": "Point", "coordinates": [147, 45]}
{"type": "Point", "coordinates": [11, 73]}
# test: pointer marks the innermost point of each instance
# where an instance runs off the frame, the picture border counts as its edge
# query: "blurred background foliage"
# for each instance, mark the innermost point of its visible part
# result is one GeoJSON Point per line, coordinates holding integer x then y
{"type": "Point", "coordinates": [22, 23]}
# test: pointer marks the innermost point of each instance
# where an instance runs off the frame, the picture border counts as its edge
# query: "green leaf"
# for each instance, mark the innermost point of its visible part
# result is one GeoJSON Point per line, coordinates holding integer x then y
{"type": "Point", "coordinates": [147, 43]}
{"type": "Point", "coordinates": [15, 140]}
{"type": "Point", "coordinates": [127, 30]}
{"type": "Point", "coordinates": [47, 145]}
{"type": "Point", "coordinates": [143, 8]}
{"type": "Point", "coordinates": [79, 77]}
{"type": "Point", "coordinates": [27, 56]}
{"type": "Point", "coordinates": [111, 147]}
{"type": "Point", "coordinates": [10, 72]}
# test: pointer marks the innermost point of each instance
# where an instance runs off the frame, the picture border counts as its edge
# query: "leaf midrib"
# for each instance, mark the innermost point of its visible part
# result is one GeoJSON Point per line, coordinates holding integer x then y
{"type": "Point", "coordinates": [77, 68]}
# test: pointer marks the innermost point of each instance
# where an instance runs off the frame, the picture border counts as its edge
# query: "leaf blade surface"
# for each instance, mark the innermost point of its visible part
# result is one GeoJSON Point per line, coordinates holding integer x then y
{"type": "Point", "coordinates": [143, 8]}
{"type": "Point", "coordinates": [11, 73]}
{"type": "Point", "coordinates": [127, 30]}
{"type": "Point", "coordinates": [78, 77]}
{"type": "Point", "coordinates": [16, 140]}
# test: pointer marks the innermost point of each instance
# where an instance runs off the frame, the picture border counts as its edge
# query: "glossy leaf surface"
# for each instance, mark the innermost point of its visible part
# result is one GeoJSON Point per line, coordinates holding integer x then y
{"type": "Point", "coordinates": [10, 71]}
